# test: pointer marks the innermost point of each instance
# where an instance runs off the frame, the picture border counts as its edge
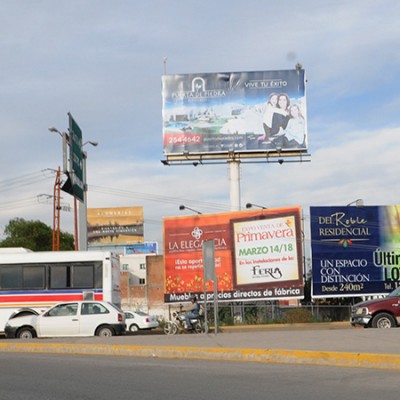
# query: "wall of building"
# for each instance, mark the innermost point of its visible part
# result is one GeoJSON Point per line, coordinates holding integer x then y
{"type": "Point", "coordinates": [150, 296]}
{"type": "Point", "coordinates": [155, 279]}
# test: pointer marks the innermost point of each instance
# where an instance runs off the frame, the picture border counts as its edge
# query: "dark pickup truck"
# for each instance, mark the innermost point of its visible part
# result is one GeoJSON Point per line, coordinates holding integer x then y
{"type": "Point", "coordinates": [378, 313]}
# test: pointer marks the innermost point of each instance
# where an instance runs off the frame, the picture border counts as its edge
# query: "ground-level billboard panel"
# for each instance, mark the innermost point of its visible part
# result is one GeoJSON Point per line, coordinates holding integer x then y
{"type": "Point", "coordinates": [258, 255]}
{"type": "Point", "coordinates": [355, 250]}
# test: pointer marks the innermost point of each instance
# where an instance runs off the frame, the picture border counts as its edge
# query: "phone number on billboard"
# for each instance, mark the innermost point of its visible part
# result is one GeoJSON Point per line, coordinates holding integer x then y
{"type": "Point", "coordinates": [184, 139]}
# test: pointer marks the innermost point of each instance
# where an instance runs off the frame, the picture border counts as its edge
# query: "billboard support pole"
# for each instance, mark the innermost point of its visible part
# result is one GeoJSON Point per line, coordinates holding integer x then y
{"type": "Point", "coordinates": [234, 178]}
{"type": "Point", "coordinates": [82, 211]}
{"type": "Point", "coordinates": [76, 235]}
{"type": "Point", "coordinates": [209, 275]}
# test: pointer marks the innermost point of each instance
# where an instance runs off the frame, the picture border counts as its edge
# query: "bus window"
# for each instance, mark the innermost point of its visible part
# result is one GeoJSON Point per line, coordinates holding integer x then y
{"type": "Point", "coordinates": [78, 276]}
{"type": "Point", "coordinates": [20, 277]}
{"type": "Point", "coordinates": [82, 276]}
{"type": "Point", "coordinates": [98, 275]}
{"type": "Point", "coordinates": [34, 278]}
{"type": "Point", "coordinates": [59, 277]}
{"type": "Point", "coordinates": [11, 277]}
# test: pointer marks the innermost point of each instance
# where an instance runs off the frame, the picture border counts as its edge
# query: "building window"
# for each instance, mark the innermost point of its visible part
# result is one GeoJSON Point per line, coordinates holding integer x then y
{"type": "Point", "coordinates": [124, 267]}
{"type": "Point", "coordinates": [142, 281]}
{"type": "Point", "coordinates": [142, 266]}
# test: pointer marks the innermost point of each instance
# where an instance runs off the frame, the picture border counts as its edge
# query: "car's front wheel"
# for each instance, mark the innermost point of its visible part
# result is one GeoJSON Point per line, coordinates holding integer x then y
{"type": "Point", "coordinates": [105, 331]}
{"type": "Point", "coordinates": [383, 320]}
{"type": "Point", "coordinates": [26, 333]}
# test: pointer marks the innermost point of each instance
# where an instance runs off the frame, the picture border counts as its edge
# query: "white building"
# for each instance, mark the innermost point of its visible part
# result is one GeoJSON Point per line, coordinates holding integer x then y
{"type": "Point", "coordinates": [135, 264]}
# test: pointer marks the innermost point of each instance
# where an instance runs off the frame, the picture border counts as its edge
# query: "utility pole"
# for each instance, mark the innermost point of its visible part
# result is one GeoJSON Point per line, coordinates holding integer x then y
{"type": "Point", "coordinates": [56, 213]}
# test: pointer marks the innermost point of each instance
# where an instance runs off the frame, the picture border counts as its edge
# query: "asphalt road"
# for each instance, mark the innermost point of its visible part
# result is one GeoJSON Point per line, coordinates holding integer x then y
{"type": "Point", "coordinates": [65, 377]}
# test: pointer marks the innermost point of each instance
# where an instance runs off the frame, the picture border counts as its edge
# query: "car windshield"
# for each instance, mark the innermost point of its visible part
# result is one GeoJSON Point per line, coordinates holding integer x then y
{"type": "Point", "coordinates": [395, 293]}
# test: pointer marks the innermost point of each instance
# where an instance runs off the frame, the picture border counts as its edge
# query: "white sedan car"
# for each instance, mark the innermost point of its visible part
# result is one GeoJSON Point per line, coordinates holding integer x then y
{"type": "Point", "coordinates": [138, 320]}
{"type": "Point", "coordinates": [76, 318]}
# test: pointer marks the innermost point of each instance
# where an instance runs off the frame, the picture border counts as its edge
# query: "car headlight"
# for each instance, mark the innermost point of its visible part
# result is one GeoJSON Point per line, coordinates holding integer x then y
{"type": "Point", "coordinates": [362, 311]}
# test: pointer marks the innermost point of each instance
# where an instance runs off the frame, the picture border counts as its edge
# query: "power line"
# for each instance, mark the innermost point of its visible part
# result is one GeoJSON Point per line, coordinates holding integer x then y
{"type": "Point", "coordinates": [157, 198]}
{"type": "Point", "coordinates": [26, 180]}
{"type": "Point", "coordinates": [22, 203]}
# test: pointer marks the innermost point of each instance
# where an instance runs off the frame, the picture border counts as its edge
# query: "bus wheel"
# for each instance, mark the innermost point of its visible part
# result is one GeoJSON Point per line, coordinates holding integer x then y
{"type": "Point", "coordinates": [26, 333]}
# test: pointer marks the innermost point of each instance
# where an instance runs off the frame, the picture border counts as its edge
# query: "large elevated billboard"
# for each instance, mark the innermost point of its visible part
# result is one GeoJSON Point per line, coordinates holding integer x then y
{"type": "Point", "coordinates": [355, 250]}
{"type": "Point", "coordinates": [243, 112]}
{"type": "Point", "coordinates": [258, 255]}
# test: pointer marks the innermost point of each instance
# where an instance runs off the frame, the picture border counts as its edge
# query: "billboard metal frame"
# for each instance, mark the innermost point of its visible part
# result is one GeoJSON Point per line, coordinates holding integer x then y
{"type": "Point", "coordinates": [268, 157]}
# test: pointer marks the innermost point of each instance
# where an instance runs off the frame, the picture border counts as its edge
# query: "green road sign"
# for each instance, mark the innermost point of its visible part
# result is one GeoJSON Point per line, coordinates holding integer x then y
{"type": "Point", "coordinates": [76, 155]}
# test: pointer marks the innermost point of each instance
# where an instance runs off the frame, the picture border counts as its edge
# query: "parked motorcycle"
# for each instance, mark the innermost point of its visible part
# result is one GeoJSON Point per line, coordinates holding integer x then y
{"type": "Point", "coordinates": [178, 322]}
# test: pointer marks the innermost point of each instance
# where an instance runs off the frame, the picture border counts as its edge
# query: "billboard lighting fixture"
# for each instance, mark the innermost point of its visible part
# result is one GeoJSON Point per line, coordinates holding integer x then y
{"type": "Point", "coordinates": [182, 207]}
{"type": "Point", "coordinates": [165, 162]}
{"type": "Point", "coordinates": [249, 205]}
{"type": "Point", "coordinates": [281, 160]}
{"type": "Point", "coordinates": [357, 203]}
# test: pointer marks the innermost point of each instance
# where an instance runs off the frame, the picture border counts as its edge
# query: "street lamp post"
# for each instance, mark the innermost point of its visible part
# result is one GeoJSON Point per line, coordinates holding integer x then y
{"type": "Point", "coordinates": [249, 205]}
{"type": "Point", "coordinates": [65, 142]}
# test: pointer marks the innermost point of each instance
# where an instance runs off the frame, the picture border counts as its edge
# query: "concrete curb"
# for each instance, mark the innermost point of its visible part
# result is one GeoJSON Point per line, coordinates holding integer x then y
{"type": "Point", "coordinates": [327, 358]}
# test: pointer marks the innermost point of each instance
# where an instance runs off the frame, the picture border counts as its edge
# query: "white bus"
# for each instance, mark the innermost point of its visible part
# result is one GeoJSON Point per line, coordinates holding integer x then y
{"type": "Point", "coordinates": [30, 281]}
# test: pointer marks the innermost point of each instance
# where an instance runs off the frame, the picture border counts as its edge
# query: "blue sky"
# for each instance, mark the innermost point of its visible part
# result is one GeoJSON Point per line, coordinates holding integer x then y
{"type": "Point", "coordinates": [102, 61]}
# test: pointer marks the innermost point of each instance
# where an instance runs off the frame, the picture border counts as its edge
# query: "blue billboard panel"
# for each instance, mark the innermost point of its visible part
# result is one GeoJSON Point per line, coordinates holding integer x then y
{"type": "Point", "coordinates": [244, 112]}
{"type": "Point", "coordinates": [142, 248]}
{"type": "Point", "coordinates": [137, 248]}
{"type": "Point", "coordinates": [355, 250]}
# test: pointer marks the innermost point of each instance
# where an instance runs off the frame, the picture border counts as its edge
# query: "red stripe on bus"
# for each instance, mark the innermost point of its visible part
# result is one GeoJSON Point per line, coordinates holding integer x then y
{"type": "Point", "coordinates": [45, 297]}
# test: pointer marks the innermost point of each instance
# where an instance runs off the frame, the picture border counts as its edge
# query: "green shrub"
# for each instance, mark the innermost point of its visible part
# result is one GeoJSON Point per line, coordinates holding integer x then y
{"type": "Point", "coordinates": [162, 323]}
{"type": "Point", "coordinates": [297, 315]}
